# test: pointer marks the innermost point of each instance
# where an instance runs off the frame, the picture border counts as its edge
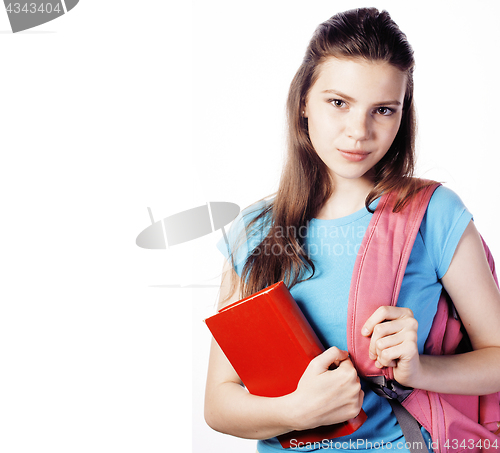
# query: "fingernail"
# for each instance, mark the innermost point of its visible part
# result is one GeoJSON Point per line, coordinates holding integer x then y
{"type": "Point", "coordinates": [372, 355]}
{"type": "Point", "coordinates": [364, 331]}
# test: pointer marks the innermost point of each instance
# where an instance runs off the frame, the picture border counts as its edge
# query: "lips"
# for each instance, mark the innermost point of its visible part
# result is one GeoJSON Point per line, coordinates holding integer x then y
{"type": "Point", "coordinates": [354, 155]}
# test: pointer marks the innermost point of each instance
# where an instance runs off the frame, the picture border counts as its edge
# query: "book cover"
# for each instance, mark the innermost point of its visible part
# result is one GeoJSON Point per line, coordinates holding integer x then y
{"type": "Point", "coordinates": [270, 343]}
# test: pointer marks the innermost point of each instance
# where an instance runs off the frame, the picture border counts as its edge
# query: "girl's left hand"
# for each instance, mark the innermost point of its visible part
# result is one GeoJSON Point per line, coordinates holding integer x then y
{"type": "Point", "coordinates": [393, 342]}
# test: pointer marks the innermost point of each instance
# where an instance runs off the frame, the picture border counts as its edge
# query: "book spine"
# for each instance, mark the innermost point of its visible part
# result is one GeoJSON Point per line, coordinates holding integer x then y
{"type": "Point", "coordinates": [294, 322]}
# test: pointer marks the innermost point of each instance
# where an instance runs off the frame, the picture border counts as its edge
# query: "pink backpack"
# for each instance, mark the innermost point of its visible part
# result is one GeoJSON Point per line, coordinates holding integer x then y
{"type": "Point", "coordinates": [455, 422]}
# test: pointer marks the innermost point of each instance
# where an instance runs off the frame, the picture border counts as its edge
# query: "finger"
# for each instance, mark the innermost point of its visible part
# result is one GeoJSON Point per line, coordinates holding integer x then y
{"type": "Point", "coordinates": [346, 364]}
{"type": "Point", "coordinates": [391, 364]}
{"type": "Point", "coordinates": [384, 313]}
{"type": "Point", "coordinates": [388, 342]}
{"type": "Point", "coordinates": [383, 334]}
{"type": "Point", "coordinates": [384, 358]}
{"type": "Point", "coordinates": [349, 371]}
{"type": "Point", "coordinates": [401, 351]}
{"type": "Point", "coordinates": [361, 398]}
{"type": "Point", "coordinates": [407, 333]}
{"type": "Point", "coordinates": [332, 356]}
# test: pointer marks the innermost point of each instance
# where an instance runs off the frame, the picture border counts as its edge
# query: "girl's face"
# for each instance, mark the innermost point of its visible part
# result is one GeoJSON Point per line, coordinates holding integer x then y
{"type": "Point", "coordinates": [354, 111]}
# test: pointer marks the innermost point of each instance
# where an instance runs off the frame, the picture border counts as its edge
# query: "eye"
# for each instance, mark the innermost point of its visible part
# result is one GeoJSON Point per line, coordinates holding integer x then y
{"type": "Point", "coordinates": [339, 103]}
{"type": "Point", "coordinates": [385, 111]}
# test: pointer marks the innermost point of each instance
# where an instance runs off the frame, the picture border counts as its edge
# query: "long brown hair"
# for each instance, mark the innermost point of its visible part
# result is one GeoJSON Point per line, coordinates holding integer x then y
{"type": "Point", "coordinates": [305, 184]}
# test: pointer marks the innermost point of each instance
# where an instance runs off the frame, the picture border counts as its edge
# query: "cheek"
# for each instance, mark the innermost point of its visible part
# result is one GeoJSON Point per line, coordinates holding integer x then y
{"type": "Point", "coordinates": [389, 133]}
{"type": "Point", "coordinates": [316, 132]}
{"type": "Point", "coordinates": [323, 128]}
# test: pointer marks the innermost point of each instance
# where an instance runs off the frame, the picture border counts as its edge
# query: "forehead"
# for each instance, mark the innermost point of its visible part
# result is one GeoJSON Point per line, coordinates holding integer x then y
{"type": "Point", "coordinates": [360, 78]}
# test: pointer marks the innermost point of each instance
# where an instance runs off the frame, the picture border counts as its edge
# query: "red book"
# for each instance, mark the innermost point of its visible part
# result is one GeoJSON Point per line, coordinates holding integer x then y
{"type": "Point", "coordinates": [269, 342]}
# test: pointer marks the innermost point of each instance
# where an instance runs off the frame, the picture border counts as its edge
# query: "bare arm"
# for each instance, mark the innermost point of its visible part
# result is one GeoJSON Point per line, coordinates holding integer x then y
{"type": "Point", "coordinates": [470, 284]}
{"type": "Point", "coordinates": [472, 288]}
{"type": "Point", "coordinates": [323, 396]}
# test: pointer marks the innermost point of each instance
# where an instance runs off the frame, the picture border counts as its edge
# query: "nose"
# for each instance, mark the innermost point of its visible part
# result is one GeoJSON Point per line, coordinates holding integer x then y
{"type": "Point", "coordinates": [357, 126]}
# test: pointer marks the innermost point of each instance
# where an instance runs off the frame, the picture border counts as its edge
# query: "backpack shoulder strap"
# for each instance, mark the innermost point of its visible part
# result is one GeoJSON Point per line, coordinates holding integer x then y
{"type": "Point", "coordinates": [376, 281]}
{"type": "Point", "coordinates": [377, 277]}
{"type": "Point", "coordinates": [379, 269]}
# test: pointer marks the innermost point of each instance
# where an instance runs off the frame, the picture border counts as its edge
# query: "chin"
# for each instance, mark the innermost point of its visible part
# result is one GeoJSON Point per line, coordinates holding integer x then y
{"type": "Point", "coordinates": [351, 176]}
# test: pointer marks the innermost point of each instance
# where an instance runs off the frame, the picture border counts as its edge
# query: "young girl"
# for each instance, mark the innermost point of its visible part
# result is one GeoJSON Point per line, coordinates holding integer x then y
{"type": "Point", "coordinates": [351, 138]}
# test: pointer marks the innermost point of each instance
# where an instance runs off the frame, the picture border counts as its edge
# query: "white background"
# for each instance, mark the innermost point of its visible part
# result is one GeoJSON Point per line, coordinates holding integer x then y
{"type": "Point", "coordinates": [121, 105]}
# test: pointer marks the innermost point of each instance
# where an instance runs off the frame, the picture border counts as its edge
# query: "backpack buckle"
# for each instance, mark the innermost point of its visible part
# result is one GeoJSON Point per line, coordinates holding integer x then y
{"type": "Point", "coordinates": [388, 388]}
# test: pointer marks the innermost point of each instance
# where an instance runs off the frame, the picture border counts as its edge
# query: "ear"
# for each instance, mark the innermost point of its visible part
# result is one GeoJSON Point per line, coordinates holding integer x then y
{"type": "Point", "coordinates": [303, 112]}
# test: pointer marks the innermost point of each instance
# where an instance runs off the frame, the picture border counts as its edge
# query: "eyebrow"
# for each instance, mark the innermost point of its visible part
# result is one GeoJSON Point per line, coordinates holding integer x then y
{"type": "Point", "coordinates": [350, 99]}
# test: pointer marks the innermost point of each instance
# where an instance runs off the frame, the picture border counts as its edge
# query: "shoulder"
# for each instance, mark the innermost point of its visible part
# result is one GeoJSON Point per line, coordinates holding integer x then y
{"type": "Point", "coordinates": [442, 227]}
{"type": "Point", "coordinates": [247, 231]}
{"type": "Point", "coordinates": [250, 213]}
{"type": "Point", "coordinates": [254, 219]}
{"type": "Point", "coordinates": [445, 198]}
{"type": "Point", "coordinates": [444, 211]}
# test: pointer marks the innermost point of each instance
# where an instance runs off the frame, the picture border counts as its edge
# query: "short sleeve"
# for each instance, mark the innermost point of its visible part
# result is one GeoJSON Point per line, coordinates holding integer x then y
{"type": "Point", "coordinates": [241, 238]}
{"type": "Point", "coordinates": [442, 227]}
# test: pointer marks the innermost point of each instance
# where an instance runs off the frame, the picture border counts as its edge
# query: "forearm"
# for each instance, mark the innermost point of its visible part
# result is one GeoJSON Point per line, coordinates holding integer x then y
{"type": "Point", "coordinates": [472, 373]}
{"type": "Point", "coordinates": [230, 409]}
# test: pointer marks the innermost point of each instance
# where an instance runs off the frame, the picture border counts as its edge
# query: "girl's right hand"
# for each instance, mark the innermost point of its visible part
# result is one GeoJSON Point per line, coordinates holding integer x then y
{"type": "Point", "coordinates": [324, 395]}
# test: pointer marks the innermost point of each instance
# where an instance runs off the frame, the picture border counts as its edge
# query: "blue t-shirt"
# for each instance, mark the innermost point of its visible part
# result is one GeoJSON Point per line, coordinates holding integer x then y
{"type": "Point", "coordinates": [333, 245]}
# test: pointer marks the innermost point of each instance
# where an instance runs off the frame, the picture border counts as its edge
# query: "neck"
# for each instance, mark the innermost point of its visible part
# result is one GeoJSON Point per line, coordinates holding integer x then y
{"type": "Point", "coordinates": [348, 196]}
